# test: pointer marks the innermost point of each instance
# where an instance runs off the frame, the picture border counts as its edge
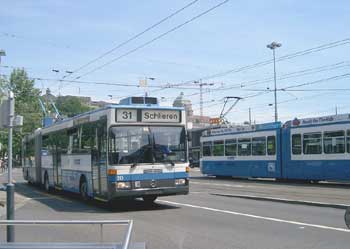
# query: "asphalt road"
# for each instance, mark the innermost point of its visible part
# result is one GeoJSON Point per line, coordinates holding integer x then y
{"type": "Point", "coordinates": [198, 220]}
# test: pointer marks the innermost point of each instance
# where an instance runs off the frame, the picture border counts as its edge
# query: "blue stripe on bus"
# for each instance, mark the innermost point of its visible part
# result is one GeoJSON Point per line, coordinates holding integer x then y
{"type": "Point", "coordinates": [150, 176]}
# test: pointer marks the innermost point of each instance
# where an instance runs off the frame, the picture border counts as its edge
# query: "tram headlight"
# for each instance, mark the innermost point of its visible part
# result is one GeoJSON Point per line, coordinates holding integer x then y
{"type": "Point", "coordinates": [180, 181]}
{"type": "Point", "coordinates": [123, 185]}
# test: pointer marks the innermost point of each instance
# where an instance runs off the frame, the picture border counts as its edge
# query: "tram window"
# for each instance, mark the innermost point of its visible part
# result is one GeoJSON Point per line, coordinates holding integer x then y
{"type": "Point", "coordinates": [334, 142]}
{"type": "Point", "coordinates": [312, 143]}
{"type": "Point", "coordinates": [244, 147]}
{"type": "Point", "coordinates": [296, 144]}
{"type": "Point", "coordinates": [206, 148]}
{"type": "Point", "coordinates": [348, 140]}
{"type": "Point", "coordinates": [219, 148]}
{"type": "Point", "coordinates": [230, 147]}
{"type": "Point", "coordinates": [271, 145]}
{"type": "Point", "coordinates": [259, 146]}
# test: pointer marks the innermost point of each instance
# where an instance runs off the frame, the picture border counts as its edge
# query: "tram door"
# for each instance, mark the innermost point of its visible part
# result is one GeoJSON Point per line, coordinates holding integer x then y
{"type": "Point", "coordinates": [99, 159]}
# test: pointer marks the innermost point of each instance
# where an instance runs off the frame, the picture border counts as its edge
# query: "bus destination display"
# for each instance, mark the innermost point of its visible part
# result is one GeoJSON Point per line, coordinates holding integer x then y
{"type": "Point", "coordinates": [148, 116]}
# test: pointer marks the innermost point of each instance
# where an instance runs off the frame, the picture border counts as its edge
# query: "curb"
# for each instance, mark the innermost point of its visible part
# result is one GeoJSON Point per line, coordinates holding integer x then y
{"type": "Point", "coordinates": [290, 201]}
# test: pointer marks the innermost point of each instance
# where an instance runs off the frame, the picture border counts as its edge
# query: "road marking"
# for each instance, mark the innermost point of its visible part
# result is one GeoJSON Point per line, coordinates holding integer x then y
{"type": "Point", "coordinates": [217, 184]}
{"type": "Point", "coordinates": [257, 216]}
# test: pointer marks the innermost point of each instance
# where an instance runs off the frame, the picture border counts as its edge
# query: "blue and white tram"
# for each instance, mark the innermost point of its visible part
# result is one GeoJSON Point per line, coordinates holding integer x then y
{"type": "Point", "coordinates": [305, 149]}
{"type": "Point", "coordinates": [317, 148]}
{"type": "Point", "coordinates": [244, 151]}
{"type": "Point", "coordinates": [133, 149]}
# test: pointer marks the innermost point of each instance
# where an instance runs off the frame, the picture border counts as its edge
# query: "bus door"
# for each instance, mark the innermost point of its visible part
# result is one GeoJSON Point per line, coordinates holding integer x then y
{"type": "Point", "coordinates": [99, 160]}
{"type": "Point", "coordinates": [57, 167]}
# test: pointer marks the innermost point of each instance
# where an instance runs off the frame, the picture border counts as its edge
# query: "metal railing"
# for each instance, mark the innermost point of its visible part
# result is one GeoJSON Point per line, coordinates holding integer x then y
{"type": "Point", "coordinates": [125, 243]}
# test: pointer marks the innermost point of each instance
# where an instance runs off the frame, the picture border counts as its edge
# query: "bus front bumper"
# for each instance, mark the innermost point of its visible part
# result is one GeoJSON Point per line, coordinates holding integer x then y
{"type": "Point", "coordinates": [161, 191]}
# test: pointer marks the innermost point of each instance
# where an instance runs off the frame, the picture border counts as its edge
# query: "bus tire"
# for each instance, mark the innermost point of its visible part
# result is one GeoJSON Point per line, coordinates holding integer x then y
{"type": "Point", "coordinates": [46, 183]}
{"type": "Point", "coordinates": [83, 189]}
{"type": "Point", "coordinates": [149, 199]}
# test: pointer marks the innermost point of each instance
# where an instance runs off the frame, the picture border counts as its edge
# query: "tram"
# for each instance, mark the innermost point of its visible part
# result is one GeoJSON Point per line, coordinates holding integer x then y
{"type": "Point", "coordinates": [307, 149]}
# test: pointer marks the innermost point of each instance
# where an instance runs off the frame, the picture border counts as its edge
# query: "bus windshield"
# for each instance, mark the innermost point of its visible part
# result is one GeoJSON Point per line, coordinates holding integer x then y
{"type": "Point", "coordinates": [147, 144]}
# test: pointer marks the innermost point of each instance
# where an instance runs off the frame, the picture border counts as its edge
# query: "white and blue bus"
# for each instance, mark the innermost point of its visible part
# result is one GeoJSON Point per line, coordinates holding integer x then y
{"type": "Point", "coordinates": [313, 149]}
{"type": "Point", "coordinates": [134, 149]}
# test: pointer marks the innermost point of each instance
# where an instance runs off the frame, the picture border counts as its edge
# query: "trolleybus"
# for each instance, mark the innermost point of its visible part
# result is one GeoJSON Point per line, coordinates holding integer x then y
{"type": "Point", "coordinates": [133, 149]}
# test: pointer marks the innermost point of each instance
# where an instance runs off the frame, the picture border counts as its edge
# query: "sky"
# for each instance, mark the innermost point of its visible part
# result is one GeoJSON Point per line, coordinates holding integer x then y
{"type": "Point", "coordinates": [42, 35]}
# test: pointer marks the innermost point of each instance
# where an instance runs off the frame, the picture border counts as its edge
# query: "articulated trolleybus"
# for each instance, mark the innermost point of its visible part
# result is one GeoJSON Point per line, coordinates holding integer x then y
{"type": "Point", "coordinates": [130, 150]}
{"type": "Point", "coordinates": [312, 149]}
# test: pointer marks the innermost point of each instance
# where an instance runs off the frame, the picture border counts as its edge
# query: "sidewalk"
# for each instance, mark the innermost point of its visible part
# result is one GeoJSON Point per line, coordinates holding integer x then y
{"type": "Point", "coordinates": [19, 199]}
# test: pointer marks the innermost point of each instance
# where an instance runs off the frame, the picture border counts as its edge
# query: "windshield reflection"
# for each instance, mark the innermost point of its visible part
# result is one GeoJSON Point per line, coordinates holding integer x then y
{"type": "Point", "coordinates": [147, 144]}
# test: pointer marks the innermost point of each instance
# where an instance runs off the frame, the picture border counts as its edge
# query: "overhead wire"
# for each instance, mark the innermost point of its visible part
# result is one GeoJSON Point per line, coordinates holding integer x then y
{"type": "Point", "coordinates": [152, 40]}
{"type": "Point", "coordinates": [131, 38]}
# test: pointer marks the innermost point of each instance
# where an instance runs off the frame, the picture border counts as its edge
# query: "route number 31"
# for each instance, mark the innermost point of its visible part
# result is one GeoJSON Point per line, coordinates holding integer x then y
{"type": "Point", "coordinates": [127, 115]}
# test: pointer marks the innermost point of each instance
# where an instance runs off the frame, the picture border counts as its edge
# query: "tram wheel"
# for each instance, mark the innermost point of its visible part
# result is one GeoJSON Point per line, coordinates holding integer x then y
{"type": "Point", "coordinates": [149, 199]}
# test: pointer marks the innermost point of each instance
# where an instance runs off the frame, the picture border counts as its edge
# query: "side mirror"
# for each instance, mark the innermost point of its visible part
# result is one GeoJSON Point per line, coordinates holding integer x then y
{"type": "Point", "coordinates": [189, 136]}
{"type": "Point", "coordinates": [347, 217]}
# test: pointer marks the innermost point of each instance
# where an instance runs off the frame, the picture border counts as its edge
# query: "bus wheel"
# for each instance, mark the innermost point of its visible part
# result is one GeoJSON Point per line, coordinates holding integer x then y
{"type": "Point", "coordinates": [46, 183]}
{"type": "Point", "coordinates": [149, 199]}
{"type": "Point", "coordinates": [83, 190]}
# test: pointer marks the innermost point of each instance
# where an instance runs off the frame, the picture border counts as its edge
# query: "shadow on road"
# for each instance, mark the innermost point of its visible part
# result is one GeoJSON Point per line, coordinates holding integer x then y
{"type": "Point", "coordinates": [69, 202]}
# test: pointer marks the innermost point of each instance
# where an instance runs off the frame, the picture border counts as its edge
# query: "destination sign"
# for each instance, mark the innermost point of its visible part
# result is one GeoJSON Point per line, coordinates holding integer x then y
{"type": "Point", "coordinates": [161, 116]}
{"type": "Point", "coordinates": [148, 116]}
{"type": "Point", "coordinates": [126, 115]}
{"type": "Point", "coordinates": [321, 120]}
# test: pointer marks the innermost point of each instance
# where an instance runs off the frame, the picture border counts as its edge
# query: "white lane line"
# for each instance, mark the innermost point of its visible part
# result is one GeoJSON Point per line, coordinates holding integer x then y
{"type": "Point", "coordinates": [217, 184]}
{"type": "Point", "coordinates": [257, 216]}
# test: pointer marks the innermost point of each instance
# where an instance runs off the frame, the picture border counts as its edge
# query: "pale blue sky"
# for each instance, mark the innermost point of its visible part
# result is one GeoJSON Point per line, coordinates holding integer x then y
{"type": "Point", "coordinates": [66, 34]}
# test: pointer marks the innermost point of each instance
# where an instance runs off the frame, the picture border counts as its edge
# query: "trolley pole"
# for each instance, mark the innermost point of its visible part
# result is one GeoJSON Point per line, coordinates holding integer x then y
{"type": "Point", "coordinates": [10, 188]}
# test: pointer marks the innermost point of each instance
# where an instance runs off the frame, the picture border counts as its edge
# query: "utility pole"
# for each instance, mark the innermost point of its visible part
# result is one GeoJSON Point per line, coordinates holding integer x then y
{"type": "Point", "coordinates": [250, 117]}
{"type": "Point", "coordinates": [273, 46]}
{"type": "Point", "coordinates": [336, 110]}
{"type": "Point", "coordinates": [10, 188]}
{"type": "Point", "coordinates": [201, 84]}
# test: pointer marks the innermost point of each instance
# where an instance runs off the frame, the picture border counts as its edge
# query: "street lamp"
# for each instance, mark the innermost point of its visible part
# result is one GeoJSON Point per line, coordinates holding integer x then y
{"type": "Point", "coordinates": [273, 46]}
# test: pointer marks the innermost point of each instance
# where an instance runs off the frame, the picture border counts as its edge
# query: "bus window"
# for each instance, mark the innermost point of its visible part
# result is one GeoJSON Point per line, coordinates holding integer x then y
{"type": "Point", "coordinates": [296, 144]}
{"type": "Point", "coordinates": [259, 146]}
{"type": "Point", "coordinates": [230, 147]}
{"type": "Point", "coordinates": [244, 147]}
{"type": "Point", "coordinates": [271, 145]}
{"type": "Point", "coordinates": [334, 142]}
{"type": "Point", "coordinates": [218, 148]}
{"type": "Point", "coordinates": [206, 148]}
{"type": "Point", "coordinates": [312, 143]}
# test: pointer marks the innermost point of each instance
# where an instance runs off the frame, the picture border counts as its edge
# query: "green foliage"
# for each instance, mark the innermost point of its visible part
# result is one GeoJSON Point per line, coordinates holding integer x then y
{"type": "Point", "coordinates": [71, 105]}
{"type": "Point", "coordinates": [26, 105]}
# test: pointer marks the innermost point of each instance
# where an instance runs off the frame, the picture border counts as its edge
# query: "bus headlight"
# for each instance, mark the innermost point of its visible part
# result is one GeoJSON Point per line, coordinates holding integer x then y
{"type": "Point", "coordinates": [180, 181]}
{"type": "Point", "coordinates": [123, 185]}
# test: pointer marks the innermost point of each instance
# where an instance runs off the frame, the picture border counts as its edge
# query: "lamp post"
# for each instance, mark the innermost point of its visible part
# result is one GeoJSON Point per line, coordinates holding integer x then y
{"type": "Point", "coordinates": [10, 187]}
{"type": "Point", "coordinates": [143, 83]}
{"type": "Point", "coordinates": [273, 46]}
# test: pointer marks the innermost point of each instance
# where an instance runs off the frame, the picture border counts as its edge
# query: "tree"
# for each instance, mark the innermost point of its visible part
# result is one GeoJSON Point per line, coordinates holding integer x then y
{"type": "Point", "coordinates": [71, 105]}
{"type": "Point", "coordinates": [26, 105]}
